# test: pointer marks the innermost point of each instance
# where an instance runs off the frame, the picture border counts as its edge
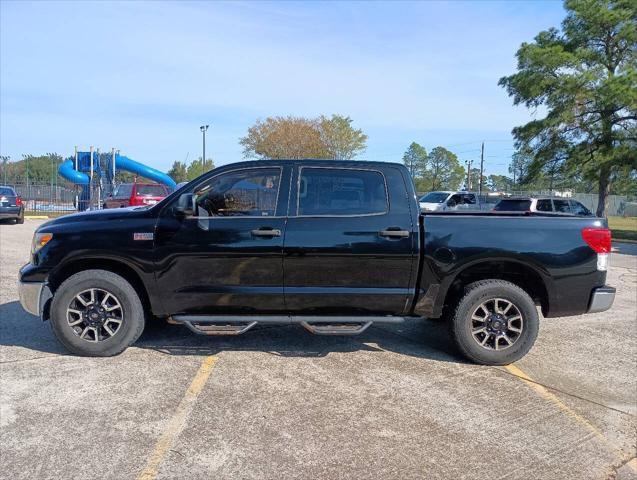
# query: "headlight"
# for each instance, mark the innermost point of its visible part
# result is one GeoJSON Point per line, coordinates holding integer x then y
{"type": "Point", "coordinates": [40, 239]}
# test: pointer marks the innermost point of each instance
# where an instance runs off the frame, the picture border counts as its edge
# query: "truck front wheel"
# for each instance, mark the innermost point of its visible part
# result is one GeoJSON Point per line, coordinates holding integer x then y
{"type": "Point", "coordinates": [494, 323]}
{"type": "Point", "coordinates": [96, 313]}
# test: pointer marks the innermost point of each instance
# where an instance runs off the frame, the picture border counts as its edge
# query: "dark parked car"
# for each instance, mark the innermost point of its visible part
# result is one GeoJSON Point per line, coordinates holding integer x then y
{"type": "Point", "coordinates": [547, 205]}
{"type": "Point", "coordinates": [333, 246]}
{"type": "Point", "coordinates": [135, 194]}
{"type": "Point", "coordinates": [11, 206]}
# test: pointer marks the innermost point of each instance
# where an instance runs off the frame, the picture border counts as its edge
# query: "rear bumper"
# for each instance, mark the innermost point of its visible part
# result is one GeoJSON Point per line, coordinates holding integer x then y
{"type": "Point", "coordinates": [602, 299]}
{"type": "Point", "coordinates": [10, 212]}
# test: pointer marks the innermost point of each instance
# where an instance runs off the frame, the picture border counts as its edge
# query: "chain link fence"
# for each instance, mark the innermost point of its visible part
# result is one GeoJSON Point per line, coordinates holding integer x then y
{"type": "Point", "coordinates": [43, 199]}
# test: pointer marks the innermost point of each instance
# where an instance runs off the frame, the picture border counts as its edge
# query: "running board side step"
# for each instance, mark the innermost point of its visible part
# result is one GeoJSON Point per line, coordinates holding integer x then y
{"type": "Point", "coordinates": [318, 325]}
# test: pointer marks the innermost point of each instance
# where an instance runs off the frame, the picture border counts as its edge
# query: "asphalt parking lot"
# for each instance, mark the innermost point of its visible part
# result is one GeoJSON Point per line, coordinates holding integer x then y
{"type": "Point", "coordinates": [395, 402]}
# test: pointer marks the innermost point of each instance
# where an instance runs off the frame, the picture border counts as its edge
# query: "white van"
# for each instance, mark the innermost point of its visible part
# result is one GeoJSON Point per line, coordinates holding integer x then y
{"type": "Point", "coordinates": [442, 201]}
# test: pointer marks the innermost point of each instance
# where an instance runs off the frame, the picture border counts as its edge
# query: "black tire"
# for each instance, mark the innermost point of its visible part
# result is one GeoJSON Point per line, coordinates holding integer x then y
{"type": "Point", "coordinates": [132, 324]}
{"type": "Point", "coordinates": [461, 324]}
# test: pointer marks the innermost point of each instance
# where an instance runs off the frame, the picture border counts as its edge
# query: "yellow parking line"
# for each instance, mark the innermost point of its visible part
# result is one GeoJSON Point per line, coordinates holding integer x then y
{"type": "Point", "coordinates": [177, 421]}
{"type": "Point", "coordinates": [557, 402]}
{"type": "Point", "coordinates": [544, 392]}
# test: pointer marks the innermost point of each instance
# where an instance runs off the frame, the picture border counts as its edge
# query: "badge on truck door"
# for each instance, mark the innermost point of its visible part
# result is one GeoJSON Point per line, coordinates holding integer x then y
{"type": "Point", "coordinates": [143, 236]}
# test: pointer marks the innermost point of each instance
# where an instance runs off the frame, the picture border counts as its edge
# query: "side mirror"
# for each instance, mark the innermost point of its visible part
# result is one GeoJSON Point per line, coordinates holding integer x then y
{"type": "Point", "coordinates": [186, 205]}
{"type": "Point", "coordinates": [451, 203]}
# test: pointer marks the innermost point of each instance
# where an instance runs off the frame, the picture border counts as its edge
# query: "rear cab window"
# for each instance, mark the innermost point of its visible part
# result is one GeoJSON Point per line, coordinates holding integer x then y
{"type": "Point", "coordinates": [513, 206]}
{"type": "Point", "coordinates": [151, 190]}
{"type": "Point", "coordinates": [341, 192]}
{"type": "Point", "coordinates": [7, 191]}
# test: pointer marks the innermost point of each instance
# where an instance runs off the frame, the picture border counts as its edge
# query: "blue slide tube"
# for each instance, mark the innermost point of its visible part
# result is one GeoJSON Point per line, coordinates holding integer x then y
{"type": "Point", "coordinates": [125, 163]}
{"type": "Point", "coordinates": [67, 171]}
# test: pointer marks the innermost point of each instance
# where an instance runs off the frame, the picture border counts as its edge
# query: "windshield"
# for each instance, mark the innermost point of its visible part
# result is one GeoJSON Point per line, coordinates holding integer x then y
{"type": "Point", "coordinates": [7, 191]}
{"type": "Point", "coordinates": [513, 206]}
{"type": "Point", "coordinates": [434, 197]}
{"type": "Point", "coordinates": [151, 190]}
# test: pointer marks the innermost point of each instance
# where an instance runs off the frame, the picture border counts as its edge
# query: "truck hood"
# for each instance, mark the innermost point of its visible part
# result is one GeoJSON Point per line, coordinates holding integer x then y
{"type": "Point", "coordinates": [97, 215]}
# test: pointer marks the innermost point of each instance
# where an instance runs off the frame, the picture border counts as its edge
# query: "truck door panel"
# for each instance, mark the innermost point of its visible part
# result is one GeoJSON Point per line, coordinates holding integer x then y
{"type": "Point", "coordinates": [350, 247]}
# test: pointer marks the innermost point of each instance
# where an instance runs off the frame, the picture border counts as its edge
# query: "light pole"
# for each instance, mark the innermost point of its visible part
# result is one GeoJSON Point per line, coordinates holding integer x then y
{"type": "Point", "coordinates": [204, 129]}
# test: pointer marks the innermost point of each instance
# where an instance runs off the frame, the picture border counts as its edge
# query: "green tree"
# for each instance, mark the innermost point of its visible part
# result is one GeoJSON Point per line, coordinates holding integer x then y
{"type": "Point", "coordinates": [199, 167]}
{"type": "Point", "coordinates": [35, 168]}
{"type": "Point", "coordinates": [415, 159]}
{"type": "Point", "coordinates": [443, 171]}
{"type": "Point", "coordinates": [178, 172]}
{"type": "Point", "coordinates": [499, 183]}
{"type": "Point", "coordinates": [340, 140]}
{"type": "Point", "coordinates": [585, 76]}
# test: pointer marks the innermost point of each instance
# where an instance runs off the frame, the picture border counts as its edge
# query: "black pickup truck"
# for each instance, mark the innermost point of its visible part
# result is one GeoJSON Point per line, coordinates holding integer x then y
{"type": "Point", "coordinates": [334, 246]}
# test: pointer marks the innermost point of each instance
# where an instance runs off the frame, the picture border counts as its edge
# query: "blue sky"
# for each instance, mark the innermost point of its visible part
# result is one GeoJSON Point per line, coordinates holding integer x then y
{"type": "Point", "coordinates": [142, 76]}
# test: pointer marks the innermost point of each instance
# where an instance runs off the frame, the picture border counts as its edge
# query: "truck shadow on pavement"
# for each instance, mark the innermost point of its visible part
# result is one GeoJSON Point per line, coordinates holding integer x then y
{"type": "Point", "coordinates": [427, 339]}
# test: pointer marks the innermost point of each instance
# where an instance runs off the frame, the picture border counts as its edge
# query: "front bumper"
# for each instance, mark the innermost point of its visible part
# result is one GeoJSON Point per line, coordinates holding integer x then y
{"type": "Point", "coordinates": [602, 299]}
{"type": "Point", "coordinates": [31, 295]}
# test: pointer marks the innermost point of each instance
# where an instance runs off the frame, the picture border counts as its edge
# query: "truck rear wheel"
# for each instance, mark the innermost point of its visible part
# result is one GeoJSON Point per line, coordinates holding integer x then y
{"type": "Point", "coordinates": [96, 313]}
{"type": "Point", "coordinates": [494, 323]}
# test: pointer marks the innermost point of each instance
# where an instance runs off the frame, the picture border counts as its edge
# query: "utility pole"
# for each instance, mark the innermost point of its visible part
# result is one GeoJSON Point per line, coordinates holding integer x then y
{"type": "Point", "coordinates": [204, 129]}
{"type": "Point", "coordinates": [481, 168]}
{"type": "Point", "coordinates": [468, 164]}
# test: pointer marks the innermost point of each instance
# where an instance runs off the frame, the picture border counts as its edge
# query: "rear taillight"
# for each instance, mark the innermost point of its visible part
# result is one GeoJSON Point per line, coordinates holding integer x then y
{"type": "Point", "coordinates": [18, 201]}
{"type": "Point", "coordinates": [599, 239]}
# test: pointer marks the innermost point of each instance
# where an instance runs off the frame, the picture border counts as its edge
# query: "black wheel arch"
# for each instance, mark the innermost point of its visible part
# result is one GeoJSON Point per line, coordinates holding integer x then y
{"type": "Point", "coordinates": [530, 279]}
{"type": "Point", "coordinates": [117, 266]}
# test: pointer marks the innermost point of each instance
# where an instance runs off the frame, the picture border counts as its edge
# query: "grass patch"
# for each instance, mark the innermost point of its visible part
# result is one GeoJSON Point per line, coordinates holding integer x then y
{"type": "Point", "coordinates": [623, 228]}
{"type": "Point", "coordinates": [40, 213]}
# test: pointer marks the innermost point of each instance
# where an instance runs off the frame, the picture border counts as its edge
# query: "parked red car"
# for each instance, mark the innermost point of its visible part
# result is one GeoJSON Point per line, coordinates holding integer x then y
{"type": "Point", "coordinates": [134, 194]}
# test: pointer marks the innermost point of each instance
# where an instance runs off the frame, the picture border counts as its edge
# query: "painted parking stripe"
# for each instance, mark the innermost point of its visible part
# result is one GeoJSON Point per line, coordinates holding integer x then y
{"type": "Point", "coordinates": [545, 393]}
{"type": "Point", "coordinates": [178, 420]}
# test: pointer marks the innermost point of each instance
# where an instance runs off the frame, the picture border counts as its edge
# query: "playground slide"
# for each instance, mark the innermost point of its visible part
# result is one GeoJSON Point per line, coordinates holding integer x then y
{"type": "Point", "coordinates": [67, 171]}
{"type": "Point", "coordinates": [128, 164]}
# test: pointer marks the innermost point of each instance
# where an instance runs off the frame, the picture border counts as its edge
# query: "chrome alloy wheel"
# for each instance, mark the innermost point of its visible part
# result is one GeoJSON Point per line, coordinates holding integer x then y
{"type": "Point", "coordinates": [95, 315]}
{"type": "Point", "coordinates": [496, 324]}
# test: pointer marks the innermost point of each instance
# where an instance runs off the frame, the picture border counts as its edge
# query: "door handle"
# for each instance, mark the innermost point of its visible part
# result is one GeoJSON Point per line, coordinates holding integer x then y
{"type": "Point", "coordinates": [266, 232]}
{"type": "Point", "coordinates": [394, 233]}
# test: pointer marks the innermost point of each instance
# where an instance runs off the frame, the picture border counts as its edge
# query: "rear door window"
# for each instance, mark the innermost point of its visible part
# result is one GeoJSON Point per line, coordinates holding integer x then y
{"type": "Point", "coordinates": [513, 206]}
{"type": "Point", "coordinates": [544, 205]}
{"type": "Point", "coordinates": [341, 192]}
{"type": "Point", "coordinates": [561, 206]}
